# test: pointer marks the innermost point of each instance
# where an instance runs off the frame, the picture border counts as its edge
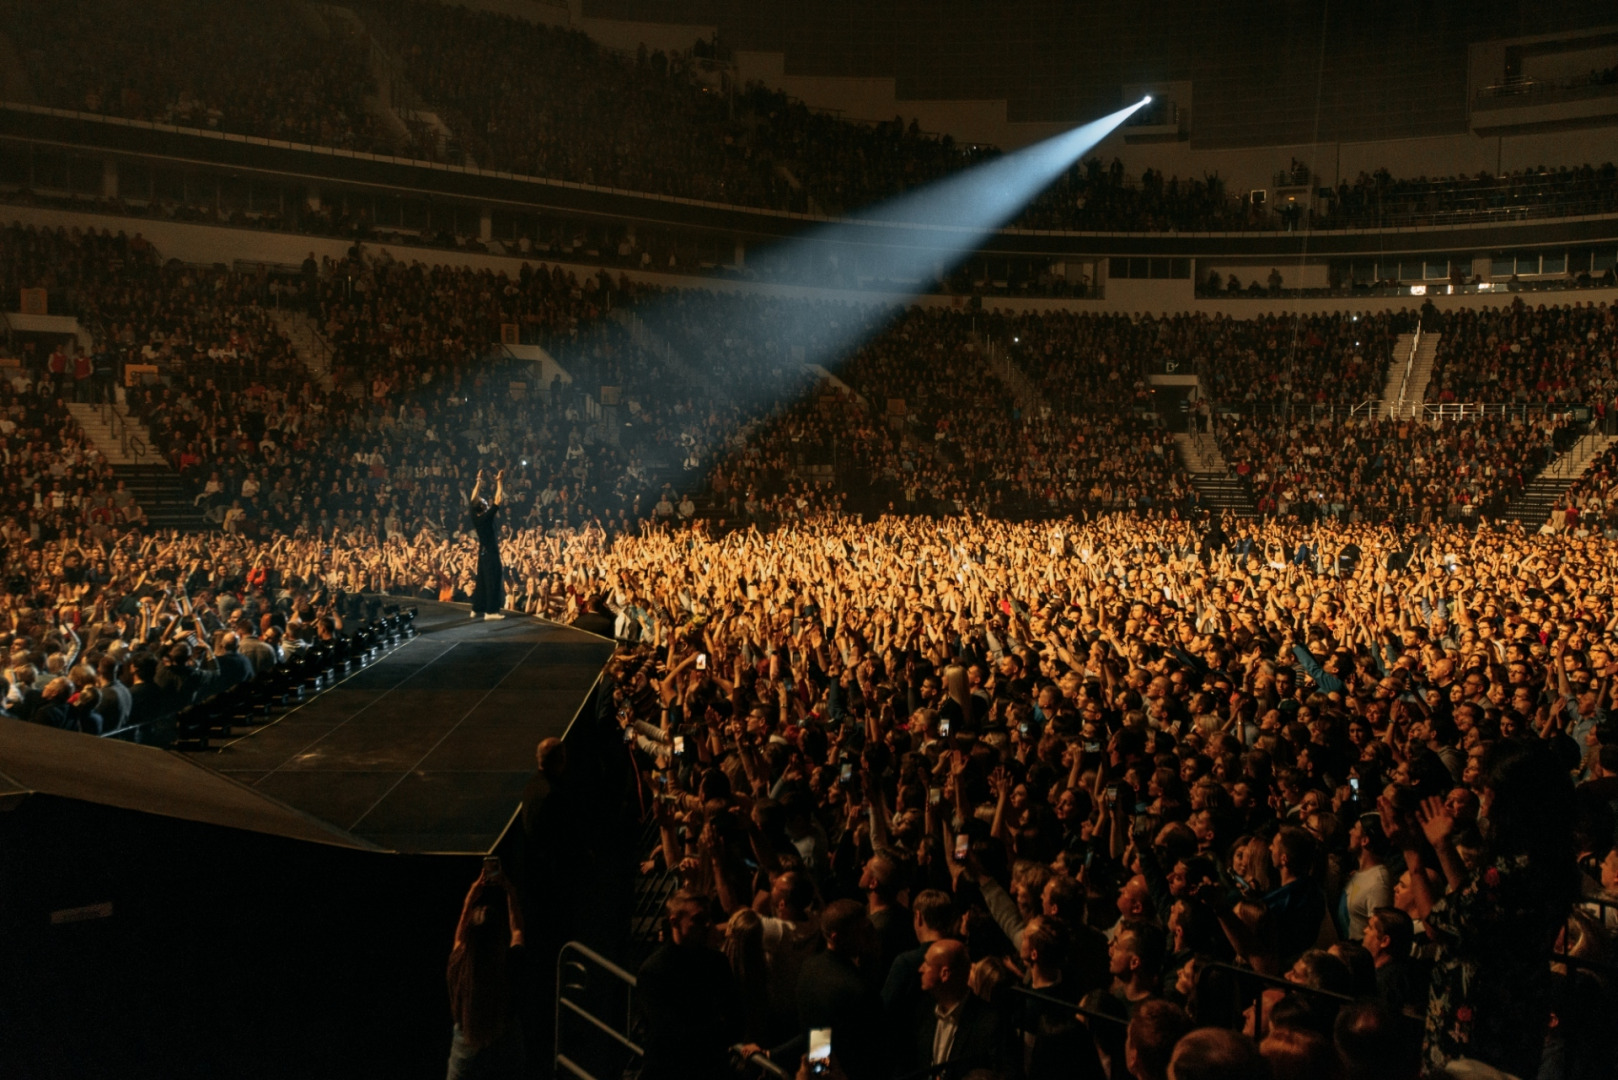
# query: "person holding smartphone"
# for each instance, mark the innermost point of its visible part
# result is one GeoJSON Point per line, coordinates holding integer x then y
{"type": "Point", "coordinates": [484, 975]}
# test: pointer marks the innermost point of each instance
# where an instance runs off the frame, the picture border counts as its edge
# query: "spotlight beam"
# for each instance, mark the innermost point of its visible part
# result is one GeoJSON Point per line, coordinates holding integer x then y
{"type": "Point", "coordinates": [963, 209]}
{"type": "Point", "coordinates": [916, 238]}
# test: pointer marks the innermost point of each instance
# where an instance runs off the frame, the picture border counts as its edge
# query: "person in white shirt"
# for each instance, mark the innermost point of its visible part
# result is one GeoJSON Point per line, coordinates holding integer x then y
{"type": "Point", "coordinates": [1371, 885]}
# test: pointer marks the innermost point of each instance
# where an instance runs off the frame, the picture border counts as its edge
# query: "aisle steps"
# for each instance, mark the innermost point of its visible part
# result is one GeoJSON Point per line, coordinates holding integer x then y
{"type": "Point", "coordinates": [1541, 494]}
{"type": "Point", "coordinates": [1221, 490]}
{"type": "Point", "coordinates": [120, 437]}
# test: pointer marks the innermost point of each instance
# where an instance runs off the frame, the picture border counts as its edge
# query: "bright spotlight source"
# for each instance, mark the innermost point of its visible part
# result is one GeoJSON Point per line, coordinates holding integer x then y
{"type": "Point", "coordinates": [1147, 100]}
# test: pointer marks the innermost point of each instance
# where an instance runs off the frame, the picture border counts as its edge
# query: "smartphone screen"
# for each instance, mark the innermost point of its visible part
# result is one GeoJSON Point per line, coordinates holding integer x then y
{"type": "Point", "coordinates": [943, 727]}
{"type": "Point", "coordinates": [1354, 784]}
{"type": "Point", "coordinates": [963, 844]}
{"type": "Point", "coordinates": [935, 795]}
{"type": "Point", "coordinates": [819, 1049]}
{"type": "Point", "coordinates": [629, 735]}
{"type": "Point", "coordinates": [846, 777]}
{"type": "Point", "coordinates": [702, 661]}
{"type": "Point", "coordinates": [491, 866]}
{"type": "Point", "coordinates": [679, 744]}
{"type": "Point", "coordinates": [1022, 729]}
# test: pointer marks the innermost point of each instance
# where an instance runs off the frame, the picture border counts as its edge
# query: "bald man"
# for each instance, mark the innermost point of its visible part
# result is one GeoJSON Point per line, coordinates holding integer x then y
{"type": "Point", "coordinates": [960, 1030]}
{"type": "Point", "coordinates": [234, 668]}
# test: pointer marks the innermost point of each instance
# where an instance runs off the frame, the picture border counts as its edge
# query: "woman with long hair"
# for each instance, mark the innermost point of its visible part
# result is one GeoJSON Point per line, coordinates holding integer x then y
{"type": "Point", "coordinates": [484, 976]}
{"type": "Point", "coordinates": [744, 951]}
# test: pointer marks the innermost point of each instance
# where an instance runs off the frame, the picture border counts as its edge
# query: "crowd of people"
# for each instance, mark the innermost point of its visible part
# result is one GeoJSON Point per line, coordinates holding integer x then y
{"type": "Point", "coordinates": [922, 763]}
{"type": "Point", "coordinates": [275, 70]}
{"type": "Point", "coordinates": [972, 741]}
{"type": "Point", "coordinates": [1368, 469]}
{"type": "Point", "coordinates": [905, 768]}
{"type": "Point", "coordinates": [1375, 199]}
{"type": "Point", "coordinates": [551, 102]}
{"type": "Point", "coordinates": [916, 417]}
{"type": "Point", "coordinates": [1527, 353]}
{"type": "Point", "coordinates": [960, 715]}
{"type": "Point", "coordinates": [1590, 505]}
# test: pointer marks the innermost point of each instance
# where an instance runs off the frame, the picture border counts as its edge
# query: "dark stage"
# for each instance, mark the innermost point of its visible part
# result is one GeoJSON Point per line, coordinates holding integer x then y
{"type": "Point", "coordinates": [428, 749]}
{"type": "Point", "coordinates": [283, 905]}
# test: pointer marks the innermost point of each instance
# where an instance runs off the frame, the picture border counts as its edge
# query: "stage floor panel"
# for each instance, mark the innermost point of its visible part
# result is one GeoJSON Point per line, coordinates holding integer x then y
{"type": "Point", "coordinates": [429, 748]}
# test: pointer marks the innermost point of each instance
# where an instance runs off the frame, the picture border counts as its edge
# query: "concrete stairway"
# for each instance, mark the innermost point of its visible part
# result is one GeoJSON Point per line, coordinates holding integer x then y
{"type": "Point", "coordinates": [160, 492]}
{"type": "Point", "coordinates": [1013, 378]}
{"type": "Point", "coordinates": [121, 438]}
{"type": "Point", "coordinates": [313, 350]}
{"type": "Point", "coordinates": [659, 346]}
{"type": "Point", "coordinates": [1539, 496]}
{"type": "Point", "coordinates": [1412, 390]}
{"type": "Point", "coordinates": [1211, 476]}
{"type": "Point", "coordinates": [127, 445]}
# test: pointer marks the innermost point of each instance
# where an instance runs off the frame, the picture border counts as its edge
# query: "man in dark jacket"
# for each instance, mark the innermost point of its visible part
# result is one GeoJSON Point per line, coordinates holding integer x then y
{"type": "Point", "coordinates": [688, 998]}
{"type": "Point", "coordinates": [835, 991]}
{"type": "Point", "coordinates": [961, 1030]}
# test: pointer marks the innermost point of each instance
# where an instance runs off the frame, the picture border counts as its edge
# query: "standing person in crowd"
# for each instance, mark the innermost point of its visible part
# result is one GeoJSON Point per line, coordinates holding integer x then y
{"type": "Point", "coordinates": [486, 978]}
{"type": "Point", "coordinates": [688, 998]}
{"type": "Point", "coordinates": [1493, 921]}
{"type": "Point", "coordinates": [962, 1031]}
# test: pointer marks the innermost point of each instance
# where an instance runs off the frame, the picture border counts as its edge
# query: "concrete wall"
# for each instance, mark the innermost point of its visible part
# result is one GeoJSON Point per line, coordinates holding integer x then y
{"type": "Point", "coordinates": [986, 121]}
{"type": "Point", "coordinates": [876, 98]}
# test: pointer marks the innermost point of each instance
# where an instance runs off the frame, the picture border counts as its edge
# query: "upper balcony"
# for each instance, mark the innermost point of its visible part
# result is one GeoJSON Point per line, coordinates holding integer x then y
{"type": "Point", "coordinates": [1508, 216]}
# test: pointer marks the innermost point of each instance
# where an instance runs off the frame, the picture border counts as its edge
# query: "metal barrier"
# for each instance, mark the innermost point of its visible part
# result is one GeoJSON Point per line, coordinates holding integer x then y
{"type": "Point", "coordinates": [1462, 410]}
{"type": "Point", "coordinates": [1272, 982]}
{"type": "Point", "coordinates": [1078, 1010]}
{"type": "Point", "coordinates": [118, 423]}
{"type": "Point", "coordinates": [580, 972]}
{"type": "Point", "coordinates": [1410, 363]}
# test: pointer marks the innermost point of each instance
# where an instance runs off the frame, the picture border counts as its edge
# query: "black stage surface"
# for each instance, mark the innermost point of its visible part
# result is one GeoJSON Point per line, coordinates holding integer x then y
{"type": "Point", "coordinates": [428, 749]}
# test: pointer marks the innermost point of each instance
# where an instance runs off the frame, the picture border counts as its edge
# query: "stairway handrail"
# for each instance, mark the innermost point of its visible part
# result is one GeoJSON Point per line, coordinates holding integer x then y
{"type": "Point", "coordinates": [1410, 363]}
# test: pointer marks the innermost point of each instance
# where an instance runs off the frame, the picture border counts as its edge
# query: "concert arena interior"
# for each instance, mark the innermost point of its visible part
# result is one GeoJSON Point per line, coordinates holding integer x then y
{"type": "Point", "coordinates": [703, 540]}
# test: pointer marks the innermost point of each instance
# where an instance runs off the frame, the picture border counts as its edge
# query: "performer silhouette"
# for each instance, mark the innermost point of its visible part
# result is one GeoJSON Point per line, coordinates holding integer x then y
{"type": "Point", "coordinates": [489, 591]}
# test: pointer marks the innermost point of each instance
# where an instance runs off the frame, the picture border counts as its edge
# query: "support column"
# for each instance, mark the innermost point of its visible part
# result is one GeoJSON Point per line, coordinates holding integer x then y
{"type": "Point", "coordinates": [485, 225]}
{"type": "Point", "coordinates": [109, 178]}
